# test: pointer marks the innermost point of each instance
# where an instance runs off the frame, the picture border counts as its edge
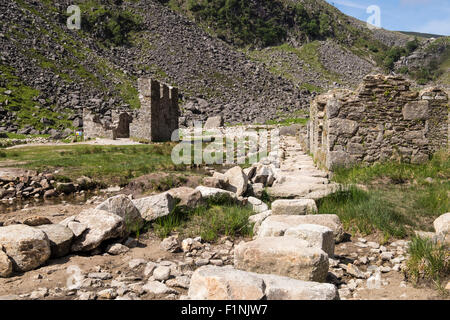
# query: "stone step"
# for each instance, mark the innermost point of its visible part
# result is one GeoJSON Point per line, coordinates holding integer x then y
{"type": "Point", "coordinates": [283, 256]}
{"type": "Point", "coordinates": [294, 207]}
{"type": "Point", "coordinates": [293, 190]}
{"type": "Point", "coordinates": [227, 283]}
{"type": "Point", "coordinates": [276, 225]}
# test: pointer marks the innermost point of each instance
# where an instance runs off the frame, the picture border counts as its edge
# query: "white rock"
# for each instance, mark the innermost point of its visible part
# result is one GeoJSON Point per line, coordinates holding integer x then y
{"type": "Point", "coordinates": [277, 225]}
{"type": "Point", "coordinates": [157, 288]}
{"type": "Point", "coordinates": [208, 192]}
{"type": "Point", "coordinates": [60, 238]}
{"type": "Point", "coordinates": [257, 205]}
{"type": "Point", "coordinates": [154, 207]}
{"type": "Point", "coordinates": [316, 236]}
{"type": "Point", "coordinates": [161, 273]}
{"type": "Point", "coordinates": [284, 256]}
{"type": "Point", "coordinates": [237, 180]}
{"type": "Point", "coordinates": [117, 249]}
{"type": "Point", "coordinates": [294, 207]}
{"type": "Point", "coordinates": [125, 208]}
{"type": "Point", "coordinates": [26, 247]}
{"type": "Point", "coordinates": [101, 226]}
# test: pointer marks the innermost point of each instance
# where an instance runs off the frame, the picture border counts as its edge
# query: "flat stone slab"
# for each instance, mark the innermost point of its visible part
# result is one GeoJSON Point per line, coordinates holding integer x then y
{"type": "Point", "coordinates": [294, 207]}
{"type": "Point", "coordinates": [316, 236]}
{"type": "Point", "coordinates": [276, 225]}
{"type": "Point", "coordinates": [227, 283]}
{"type": "Point", "coordinates": [154, 207]}
{"type": "Point", "coordinates": [284, 256]}
{"type": "Point", "coordinates": [208, 192]}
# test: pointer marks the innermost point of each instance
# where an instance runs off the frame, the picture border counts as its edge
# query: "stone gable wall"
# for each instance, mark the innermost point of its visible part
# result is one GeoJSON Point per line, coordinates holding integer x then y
{"type": "Point", "coordinates": [382, 120]}
{"type": "Point", "coordinates": [154, 121]}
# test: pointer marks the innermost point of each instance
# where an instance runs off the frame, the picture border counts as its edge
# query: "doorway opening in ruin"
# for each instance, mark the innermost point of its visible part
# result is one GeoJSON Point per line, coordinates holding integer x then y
{"type": "Point", "coordinates": [320, 142]}
{"type": "Point", "coordinates": [123, 126]}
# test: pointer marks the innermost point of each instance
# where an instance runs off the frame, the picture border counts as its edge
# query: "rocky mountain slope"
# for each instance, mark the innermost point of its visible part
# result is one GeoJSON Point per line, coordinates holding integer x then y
{"type": "Point", "coordinates": [48, 73]}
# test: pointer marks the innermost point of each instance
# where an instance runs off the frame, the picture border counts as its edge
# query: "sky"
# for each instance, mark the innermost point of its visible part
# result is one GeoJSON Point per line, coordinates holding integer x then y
{"type": "Point", "coordinates": [427, 16]}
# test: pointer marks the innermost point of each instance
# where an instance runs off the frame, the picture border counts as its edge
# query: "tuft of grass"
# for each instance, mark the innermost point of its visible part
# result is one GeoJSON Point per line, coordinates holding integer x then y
{"type": "Point", "coordinates": [288, 121]}
{"type": "Point", "coordinates": [364, 212]}
{"type": "Point", "coordinates": [399, 196]}
{"type": "Point", "coordinates": [218, 217]}
{"type": "Point", "coordinates": [428, 261]}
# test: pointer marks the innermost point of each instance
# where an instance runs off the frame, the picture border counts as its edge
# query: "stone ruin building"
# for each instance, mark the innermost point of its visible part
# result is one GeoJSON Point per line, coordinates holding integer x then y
{"type": "Point", "coordinates": [155, 121]}
{"type": "Point", "coordinates": [382, 120]}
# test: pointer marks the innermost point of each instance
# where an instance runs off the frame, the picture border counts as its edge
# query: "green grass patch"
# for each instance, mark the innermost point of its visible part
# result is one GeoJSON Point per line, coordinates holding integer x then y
{"type": "Point", "coordinates": [288, 121]}
{"type": "Point", "coordinates": [428, 261]}
{"type": "Point", "coordinates": [108, 164]}
{"type": "Point", "coordinates": [218, 217]}
{"type": "Point", "coordinates": [399, 199]}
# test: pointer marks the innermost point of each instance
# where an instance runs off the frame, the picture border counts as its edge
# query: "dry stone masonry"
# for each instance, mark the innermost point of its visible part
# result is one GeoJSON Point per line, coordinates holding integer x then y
{"type": "Point", "coordinates": [382, 120]}
{"type": "Point", "coordinates": [155, 121]}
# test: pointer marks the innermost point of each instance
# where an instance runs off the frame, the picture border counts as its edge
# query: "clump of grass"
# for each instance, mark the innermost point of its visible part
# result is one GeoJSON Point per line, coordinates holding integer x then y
{"type": "Point", "coordinates": [364, 211]}
{"type": "Point", "coordinates": [218, 217]}
{"type": "Point", "coordinates": [428, 261]}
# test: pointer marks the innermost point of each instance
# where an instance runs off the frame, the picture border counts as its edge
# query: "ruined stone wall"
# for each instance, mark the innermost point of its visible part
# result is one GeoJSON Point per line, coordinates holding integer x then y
{"type": "Point", "coordinates": [154, 121]}
{"type": "Point", "coordinates": [158, 116]}
{"type": "Point", "coordinates": [382, 120]}
{"type": "Point", "coordinates": [95, 127]}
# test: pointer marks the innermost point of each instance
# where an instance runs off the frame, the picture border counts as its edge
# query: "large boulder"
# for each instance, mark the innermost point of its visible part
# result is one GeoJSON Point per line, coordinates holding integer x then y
{"type": "Point", "coordinates": [257, 219]}
{"type": "Point", "coordinates": [227, 283]}
{"type": "Point", "coordinates": [125, 208]}
{"type": "Point", "coordinates": [237, 180]}
{"type": "Point", "coordinates": [154, 207]}
{"type": "Point", "coordinates": [284, 256]}
{"type": "Point", "coordinates": [276, 225]}
{"type": "Point", "coordinates": [60, 238]}
{"type": "Point", "coordinates": [294, 207]}
{"type": "Point", "coordinates": [27, 247]}
{"type": "Point", "coordinates": [101, 225]}
{"type": "Point", "coordinates": [215, 283]}
{"type": "Point", "coordinates": [316, 236]}
{"type": "Point", "coordinates": [264, 174]}
{"type": "Point", "coordinates": [187, 197]}
{"type": "Point", "coordinates": [6, 266]}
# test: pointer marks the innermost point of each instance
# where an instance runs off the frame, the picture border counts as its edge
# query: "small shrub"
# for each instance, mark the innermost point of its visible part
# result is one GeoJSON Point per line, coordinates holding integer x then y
{"type": "Point", "coordinates": [428, 261]}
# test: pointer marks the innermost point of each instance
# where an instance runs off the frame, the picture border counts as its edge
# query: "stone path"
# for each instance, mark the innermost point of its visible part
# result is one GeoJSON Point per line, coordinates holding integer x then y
{"type": "Point", "coordinates": [298, 177]}
{"type": "Point", "coordinates": [292, 246]}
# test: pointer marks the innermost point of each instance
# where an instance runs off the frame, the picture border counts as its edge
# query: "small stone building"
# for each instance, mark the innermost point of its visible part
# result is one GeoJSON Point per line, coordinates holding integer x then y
{"type": "Point", "coordinates": [382, 120]}
{"type": "Point", "coordinates": [155, 121]}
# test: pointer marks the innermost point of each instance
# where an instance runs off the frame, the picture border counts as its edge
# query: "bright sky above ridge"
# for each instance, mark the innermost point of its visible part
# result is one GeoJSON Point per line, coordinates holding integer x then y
{"type": "Point", "coordinates": [427, 16]}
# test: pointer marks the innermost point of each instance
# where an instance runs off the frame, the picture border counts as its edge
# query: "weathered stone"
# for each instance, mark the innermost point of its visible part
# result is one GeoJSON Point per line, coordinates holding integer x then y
{"type": "Point", "coordinates": [122, 206]}
{"type": "Point", "coordinates": [276, 225]}
{"type": "Point", "coordinates": [36, 221]}
{"type": "Point", "coordinates": [257, 205]}
{"type": "Point", "coordinates": [208, 193]}
{"type": "Point", "coordinates": [214, 122]}
{"type": "Point", "coordinates": [188, 197]}
{"type": "Point", "coordinates": [442, 227]}
{"type": "Point", "coordinates": [6, 266]}
{"type": "Point", "coordinates": [157, 288]}
{"type": "Point", "coordinates": [170, 244]}
{"type": "Point", "coordinates": [161, 273]}
{"type": "Point", "coordinates": [264, 174]}
{"type": "Point", "coordinates": [117, 249]}
{"type": "Point", "coordinates": [224, 283]}
{"type": "Point", "coordinates": [60, 238]}
{"type": "Point", "coordinates": [257, 219]}
{"type": "Point", "coordinates": [283, 288]}
{"type": "Point", "coordinates": [294, 207]}
{"type": "Point", "coordinates": [27, 247]}
{"type": "Point", "coordinates": [154, 207]}
{"type": "Point", "coordinates": [284, 256]}
{"type": "Point", "coordinates": [190, 244]}
{"type": "Point", "coordinates": [415, 110]}
{"type": "Point", "coordinates": [101, 226]}
{"type": "Point", "coordinates": [237, 180]}
{"type": "Point", "coordinates": [316, 236]}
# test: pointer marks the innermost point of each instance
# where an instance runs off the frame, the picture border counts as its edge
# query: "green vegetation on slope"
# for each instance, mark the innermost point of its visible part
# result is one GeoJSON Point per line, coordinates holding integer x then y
{"type": "Point", "coordinates": [399, 198]}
